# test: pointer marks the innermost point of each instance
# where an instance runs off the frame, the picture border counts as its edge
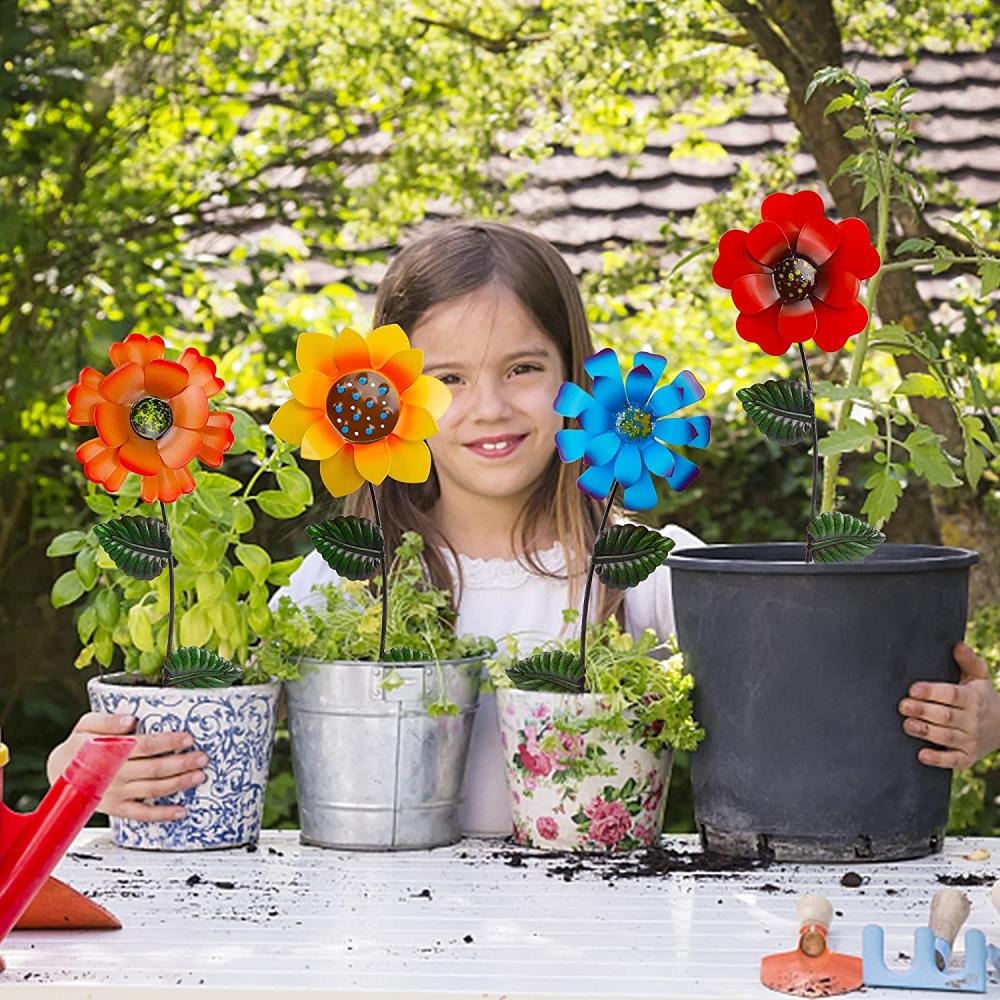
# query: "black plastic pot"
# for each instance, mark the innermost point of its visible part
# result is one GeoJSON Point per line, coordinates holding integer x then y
{"type": "Point", "coordinates": [799, 671]}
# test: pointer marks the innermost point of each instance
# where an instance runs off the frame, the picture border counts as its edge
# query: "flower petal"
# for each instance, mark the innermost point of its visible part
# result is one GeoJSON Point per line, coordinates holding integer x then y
{"type": "Point", "coordinates": [165, 485]}
{"type": "Point", "coordinates": [124, 385]}
{"type": "Point", "coordinates": [137, 349]}
{"type": "Point", "coordinates": [656, 363]}
{"type": "Point", "coordinates": [734, 259]}
{"type": "Point", "coordinates": [217, 434]}
{"type": "Point", "coordinates": [571, 444]}
{"type": "Point", "coordinates": [292, 421]}
{"type": "Point", "coordinates": [691, 431]}
{"type": "Point", "coordinates": [409, 461]}
{"type": "Point", "coordinates": [372, 460]}
{"type": "Point", "coordinates": [837, 288]}
{"type": "Point", "coordinates": [834, 327]}
{"type": "Point", "coordinates": [430, 393]}
{"type": "Point", "coordinates": [403, 369]}
{"type": "Point", "coordinates": [604, 364]}
{"type": "Point", "coordinates": [190, 408]}
{"type": "Point", "coordinates": [314, 352]}
{"type": "Point", "coordinates": [113, 424]}
{"type": "Point", "coordinates": [101, 464]}
{"type": "Point", "coordinates": [178, 446]}
{"type": "Point", "coordinates": [683, 474]}
{"type": "Point", "coordinates": [84, 396]}
{"type": "Point", "coordinates": [762, 330]}
{"type": "Point", "coordinates": [767, 243]}
{"type": "Point", "coordinates": [656, 458]}
{"type": "Point", "coordinates": [791, 211]}
{"type": "Point", "coordinates": [113, 483]}
{"type": "Point", "coordinates": [571, 400]}
{"type": "Point", "coordinates": [628, 464]}
{"type": "Point", "coordinates": [385, 341]}
{"type": "Point", "coordinates": [595, 420]}
{"type": "Point", "coordinates": [90, 449]}
{"type": "Point", "coordinates": [855, 253]}
{"type": "Point", "coordinates": [818, 240]}
{"type": "Point", "coordinates": [596, 480]}
{"type": "Point", "coordinates": [165, 379]}
{"type": "Point", "coordinates": [339, 474]}
{"type": "Point", "coordinates": [201, 372]}
{"type": "Point", "coordinates": [602, 448]}
{"type": "Point", "coordinates": [311, 388]}
{"type": "Point", "coordinates": [140, 456]}
{"type": "Point", "coordinates": [638, 385]}
{"type": "Point", "coordinates": [754, 293]}
{"type": "Point", "coordinates": [797, 320]}
{"type": "Point", "coordinates": [321, 440]}
{"type": "Point", "coordinates": [684, 390]}
{"type": "Point", "coordinates": [415, 424]}
{"type": "Point", "coordinates": [609, 392]}
{"type": "Point", "coordinates": [642, 494]}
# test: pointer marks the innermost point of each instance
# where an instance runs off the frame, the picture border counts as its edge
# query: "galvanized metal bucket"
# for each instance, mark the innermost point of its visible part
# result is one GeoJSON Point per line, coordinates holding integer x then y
{"type": "Point", "coordinates": [373, 768]}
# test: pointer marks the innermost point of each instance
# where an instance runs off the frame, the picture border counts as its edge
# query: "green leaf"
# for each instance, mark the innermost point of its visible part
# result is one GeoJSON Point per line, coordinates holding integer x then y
{"type": "Point", "coordinates": [928, 458]}
{"type": "Point", "coordinates": [921, 384]}
{"type": "Point", "coordinates": [277, 504]}
{"type": "Point", "coordinates": [625, 554]}
{"type": "Point", "coordinates": [884, 491]}
{"type": "Point", "coordinates": [296, 485]}
{"type": "Point", "coordinates": [194, 627]}
{"type": "Point", "coordinates": [854, 435]}
{"type": "Point", "coordinates": [405, 654]}
{"type": "Point", "coordinates": [856, 132]}
{"type": "Point", "coordinates": [248, 435]}
{"type": "Point", "coordinates": [86, 623]}
{"type": "Point", "coordinates": [86, 566]}
{"type": "Point", "coordinates": [989, 276]}
{"type": "Point", "coordinates": [915, 245]}
{"type": "Point", "coordinates": [66, 544]}
{"type": "Point", "coordinates": [108, 607]}
{"type": "Point", "coordinates": [830, 390]}
{"type": "Point", "coordinates": [282, 571]}
{"type": "Point", "coordinates": [974, 435]}
{"type": "Point", "coordinates": [140, 628]}
{"type": "Point", "coordinates": [839, 104]}
{"type": "Point", "coordinates": [191, 667]}
{"type": "Point", "coordinates": [255, 559]}
{"type": "Point", "coordinates": [66, 589]}
{"type": "Point", "coordinates": [783, 410]}
{"type": "Point", "coordinates": [549, 671]}
{"type": "Point", "coordinates": [138, 545]}
{"type": "Point", "coordinates": [838, 537]}
{"type": "Point", "coordinates": [350, 545]}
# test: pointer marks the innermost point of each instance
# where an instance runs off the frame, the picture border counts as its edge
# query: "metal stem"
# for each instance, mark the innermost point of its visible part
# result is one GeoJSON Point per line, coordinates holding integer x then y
{"type": "Point", "coordinates": [815, 454]}
{"type": "Point", "coordinates": [590, 580]}
{"type": "Point", "coordinates": [170, 571]}
{"type": "Point", "coordinates": [385, 576]}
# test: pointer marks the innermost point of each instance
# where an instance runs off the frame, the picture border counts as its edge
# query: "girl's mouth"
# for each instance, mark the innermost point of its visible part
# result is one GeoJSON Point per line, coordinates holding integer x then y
{"type": "Point", "coordinates": [496, 447]}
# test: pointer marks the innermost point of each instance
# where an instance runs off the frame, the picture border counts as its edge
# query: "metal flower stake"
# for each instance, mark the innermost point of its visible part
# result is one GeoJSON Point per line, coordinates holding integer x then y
{"type": "Point", "coordinates": [362, 408]}
{"type": "Point", "coordinates": [153, 419]}
{"type": "Point", "coordinates": [795, 276]}
{"type": "Point", "coordinates": [625, 437]}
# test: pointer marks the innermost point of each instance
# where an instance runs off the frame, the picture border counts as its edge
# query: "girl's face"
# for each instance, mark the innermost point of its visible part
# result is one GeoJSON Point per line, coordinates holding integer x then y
{"type": "Point", "coordinates": [496, 438]}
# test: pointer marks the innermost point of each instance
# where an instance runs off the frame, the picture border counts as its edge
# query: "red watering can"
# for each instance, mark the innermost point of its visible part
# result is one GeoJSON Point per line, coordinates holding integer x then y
{"type": "Point", "coordinates": [31, 844]}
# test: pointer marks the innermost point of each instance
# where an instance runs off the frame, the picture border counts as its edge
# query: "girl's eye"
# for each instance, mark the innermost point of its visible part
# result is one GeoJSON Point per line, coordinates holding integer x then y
{"type": "Point", "coordinates": [448, 379]}
{"type": "Point", "coordinates": [524, 368]}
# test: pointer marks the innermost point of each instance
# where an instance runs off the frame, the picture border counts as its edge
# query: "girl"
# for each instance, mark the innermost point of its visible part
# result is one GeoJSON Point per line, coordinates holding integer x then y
{"type": "Point", "coordinates": [500, 321]}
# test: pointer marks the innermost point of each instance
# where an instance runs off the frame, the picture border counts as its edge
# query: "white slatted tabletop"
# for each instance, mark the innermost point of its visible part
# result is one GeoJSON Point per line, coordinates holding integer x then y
{"type": "Point", "coordinates": [481, 919]}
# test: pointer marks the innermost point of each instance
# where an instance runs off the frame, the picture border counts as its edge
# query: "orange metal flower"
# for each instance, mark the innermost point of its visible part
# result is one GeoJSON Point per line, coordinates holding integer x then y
{"type": "Point", "coordinates": [152, 418]}
{"type": "Point", "coordinates": [362, 407]}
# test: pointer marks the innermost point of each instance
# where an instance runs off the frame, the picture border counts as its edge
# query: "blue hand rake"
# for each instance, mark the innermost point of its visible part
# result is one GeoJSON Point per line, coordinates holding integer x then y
{"type": "Point", "coordinates": [931, 951]}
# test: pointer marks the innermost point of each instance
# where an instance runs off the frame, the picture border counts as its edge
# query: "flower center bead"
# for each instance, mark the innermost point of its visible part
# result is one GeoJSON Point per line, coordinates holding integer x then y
{"type": "Point", "coordinates": [794, 278]}
{"type": "Point", "coordinates": [363, 406]}
{"type": "Point", "coordinates": [634, 422]}
{"type": "Point", "coordinates": [151, 418]}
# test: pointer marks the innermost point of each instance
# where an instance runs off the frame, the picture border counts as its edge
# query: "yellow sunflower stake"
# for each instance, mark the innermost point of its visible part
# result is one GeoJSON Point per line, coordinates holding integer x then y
{"type": "Point", "coordinates": [362, 408]}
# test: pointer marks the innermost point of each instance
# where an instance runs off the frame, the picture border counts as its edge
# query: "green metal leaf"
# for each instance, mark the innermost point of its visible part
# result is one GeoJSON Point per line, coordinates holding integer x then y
{"type": "Point", "coordinates": [837, 537]}
{"type": "Point", "coordinates": [626, 554]}
{"type": "Point", "coordinates": [350, 545]}
{"type": "Point", "coordinates": [783, 410]}
{"type": "Point", "coordinates": [550, 671]}
{"type": "Point", "coordinates": [139, 546]}
{"type": "Point", "coordinates": [194, 667]}
{"type": "Point", "coordinates": [404, 654]}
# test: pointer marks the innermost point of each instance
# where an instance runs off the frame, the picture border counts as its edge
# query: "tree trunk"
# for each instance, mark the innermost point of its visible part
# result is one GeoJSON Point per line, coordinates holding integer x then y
{"type": "Point", "coordinates": [799, 39]}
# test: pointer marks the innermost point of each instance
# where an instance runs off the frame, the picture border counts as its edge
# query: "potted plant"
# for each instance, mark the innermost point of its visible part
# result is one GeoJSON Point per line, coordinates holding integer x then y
{"type": "Point", "coordinates": [379, 736]}
{"type": "Point", "coordinates": [802, 651]}
{"type": "Point", "coordinates": [153, 419]}
{"type": "Point", "coordinates": [588, 727]}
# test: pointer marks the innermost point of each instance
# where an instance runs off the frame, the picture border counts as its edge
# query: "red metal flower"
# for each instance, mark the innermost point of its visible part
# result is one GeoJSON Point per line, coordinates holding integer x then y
{"type": "Point", "coordinates": [796, 275]}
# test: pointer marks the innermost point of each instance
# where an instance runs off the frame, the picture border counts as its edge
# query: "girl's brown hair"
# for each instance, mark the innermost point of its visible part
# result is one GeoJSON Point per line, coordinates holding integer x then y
{"type": "Point", "coordinates": [454, 261]}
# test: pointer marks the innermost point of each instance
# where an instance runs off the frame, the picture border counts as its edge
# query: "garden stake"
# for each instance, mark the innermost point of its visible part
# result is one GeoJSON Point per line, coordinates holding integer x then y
{"type": "Point", "coordinates": [812, 970]}
{"type": "Point", "coordinates": [931, 951]}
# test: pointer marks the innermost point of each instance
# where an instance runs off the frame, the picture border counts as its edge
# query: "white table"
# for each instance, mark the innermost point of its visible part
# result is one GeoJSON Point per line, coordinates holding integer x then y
{"type": "Point", "coordinates": [473, 920]}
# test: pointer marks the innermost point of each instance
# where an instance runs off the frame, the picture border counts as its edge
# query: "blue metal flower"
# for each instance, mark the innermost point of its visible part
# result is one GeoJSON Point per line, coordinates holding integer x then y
{"type": "Point", "coordinates": [625, 427]}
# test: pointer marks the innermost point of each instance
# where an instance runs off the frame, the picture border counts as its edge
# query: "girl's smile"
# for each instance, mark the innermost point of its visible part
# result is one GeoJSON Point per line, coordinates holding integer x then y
{"type": "Point", "coordinates": [496, 447]}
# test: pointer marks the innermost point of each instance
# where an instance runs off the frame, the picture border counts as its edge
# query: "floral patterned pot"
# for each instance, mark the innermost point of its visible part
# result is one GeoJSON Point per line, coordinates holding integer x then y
{"type": "Point", "coordinates": [234, 726]}
{"type": "Point", "coordinates": [572, 790]}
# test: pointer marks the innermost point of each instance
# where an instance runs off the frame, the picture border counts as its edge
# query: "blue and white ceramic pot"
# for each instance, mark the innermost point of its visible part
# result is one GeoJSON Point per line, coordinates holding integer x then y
{"type": "Point", "coordinates": [233, 726]}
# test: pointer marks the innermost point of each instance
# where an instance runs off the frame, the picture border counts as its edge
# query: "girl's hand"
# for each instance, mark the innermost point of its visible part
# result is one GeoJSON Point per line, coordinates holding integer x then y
{"type": "Point", "coordinates": [156, 767]}
{"type": "Point", "coordinates": [963, 718]}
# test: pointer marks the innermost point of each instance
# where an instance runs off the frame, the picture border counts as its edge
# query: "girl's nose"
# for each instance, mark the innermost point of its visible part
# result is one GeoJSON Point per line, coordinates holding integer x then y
{"type": "Point", "coordinates": [492, 398]}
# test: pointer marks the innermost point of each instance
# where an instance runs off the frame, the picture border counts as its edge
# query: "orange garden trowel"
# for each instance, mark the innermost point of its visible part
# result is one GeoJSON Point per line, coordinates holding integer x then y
{"type": "Point", "coordinates": [812, 970]}
{"type": "Point", "coordinates": [31, 844]}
